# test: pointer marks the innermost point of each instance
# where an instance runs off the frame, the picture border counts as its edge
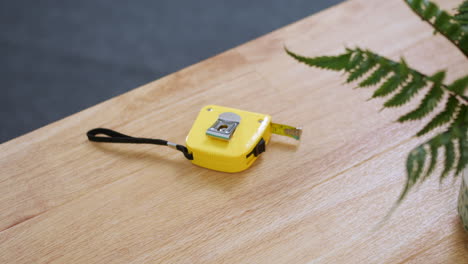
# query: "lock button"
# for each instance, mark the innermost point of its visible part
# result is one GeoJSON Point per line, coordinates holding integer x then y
{"type": "Point", "coordinates": [259, 148]}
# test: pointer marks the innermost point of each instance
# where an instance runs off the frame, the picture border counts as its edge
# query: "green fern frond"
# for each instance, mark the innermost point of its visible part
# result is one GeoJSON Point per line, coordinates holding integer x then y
{"type": "Point", "coordinates": [398, 79]}
{"type": "Point", "coordinates": [414, 168]}
{"type": "Point", "coordinates": [416, 160]}
{"type": "Point", "coordinates": [454, 28]}
{"type": "Point", "coordinates": [390, 76]}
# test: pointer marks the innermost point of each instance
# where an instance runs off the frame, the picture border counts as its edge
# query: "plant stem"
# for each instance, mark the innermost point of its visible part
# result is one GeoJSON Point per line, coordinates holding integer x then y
{"type": "Point", "coordinates": [462, 99]}
{"type": "Point", "coordinates": [429, 22]}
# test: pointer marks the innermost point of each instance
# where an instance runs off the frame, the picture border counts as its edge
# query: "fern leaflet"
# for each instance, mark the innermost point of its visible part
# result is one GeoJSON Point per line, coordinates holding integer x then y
{"type": "Point", "coordinates": [380, 73]}
{"type": "Point", "coordinates": [388, 86]}
{"type": "Point", "coordinates": [429, 102]}
{"type": "Point", "coordinates": [433, 162]}
{"type": "Point", "coordinates": [443, 117]}
{"type": "Point", "coordinates": [462, 15]}
{"type": "Point", "coordinates": [407, 91]}
{"type": "Point", "coordinates": [459, 86]}
{"type": "Point", "coordinates": [362, 68]}
{"type": "Point", "coordinates": [457, 132]}
{"type": "Point", "coordinates": [449, 159]}
{"type": "Point", "coordinates": [463, 152]}
{"type": "Point", "coordinates": [325, 62]}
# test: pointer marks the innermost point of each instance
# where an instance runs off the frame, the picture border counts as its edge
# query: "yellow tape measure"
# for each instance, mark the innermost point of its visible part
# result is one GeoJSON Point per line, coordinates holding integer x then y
{"type": "Point", "coordinates": [221, 138]}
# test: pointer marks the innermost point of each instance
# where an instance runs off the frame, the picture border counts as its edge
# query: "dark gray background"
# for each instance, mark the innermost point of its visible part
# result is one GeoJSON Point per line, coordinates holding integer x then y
{"type": "Point", "coordinates": [59, 57]}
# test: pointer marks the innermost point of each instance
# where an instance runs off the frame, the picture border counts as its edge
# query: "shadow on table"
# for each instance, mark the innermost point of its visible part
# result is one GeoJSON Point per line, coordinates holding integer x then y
{"type": "Point", "coordinates": [286, 144]}
{"type": "Point", "coordinates": [461, 236]}
{"type": "Point", "coordinates": [224, 180]}
{"type": "Point", "coordinates": [138, 152]}
{"type": "Point", "coordinates": [132, 153]}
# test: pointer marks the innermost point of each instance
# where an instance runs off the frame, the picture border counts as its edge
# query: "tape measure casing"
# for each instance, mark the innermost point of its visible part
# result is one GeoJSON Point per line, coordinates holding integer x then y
{"type": "Point", "coordinates": [238, 152]}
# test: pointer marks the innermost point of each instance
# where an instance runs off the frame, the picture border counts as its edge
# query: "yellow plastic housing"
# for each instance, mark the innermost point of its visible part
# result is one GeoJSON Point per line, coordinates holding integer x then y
{"type": "Point", "coordinates": [227, 155]}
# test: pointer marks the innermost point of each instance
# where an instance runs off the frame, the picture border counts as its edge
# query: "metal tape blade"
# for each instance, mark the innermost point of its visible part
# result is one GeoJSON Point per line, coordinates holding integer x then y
{"type": "Point", "coordinates": [285, 130]}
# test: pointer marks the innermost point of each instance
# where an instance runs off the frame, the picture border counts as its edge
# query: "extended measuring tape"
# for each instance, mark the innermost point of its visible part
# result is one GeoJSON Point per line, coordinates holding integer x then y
{"type": "Point", "coordinates": [221, 138]}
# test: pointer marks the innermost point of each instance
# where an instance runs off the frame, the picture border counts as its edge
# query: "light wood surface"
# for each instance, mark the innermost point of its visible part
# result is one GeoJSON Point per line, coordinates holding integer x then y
{"type": "Point", "coordinates": [66, 200]}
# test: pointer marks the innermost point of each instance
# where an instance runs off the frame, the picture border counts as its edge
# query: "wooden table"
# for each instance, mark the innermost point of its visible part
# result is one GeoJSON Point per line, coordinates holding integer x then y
{"type": "Point", "coordinates": [66, 200]}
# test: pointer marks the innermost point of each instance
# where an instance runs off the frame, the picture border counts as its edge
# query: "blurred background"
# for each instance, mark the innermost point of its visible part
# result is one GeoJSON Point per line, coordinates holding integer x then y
{"type": "Point", "coordinates": [60, 57]}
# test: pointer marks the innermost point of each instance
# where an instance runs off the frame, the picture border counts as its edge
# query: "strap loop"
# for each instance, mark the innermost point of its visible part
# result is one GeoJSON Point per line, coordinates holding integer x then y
{"type": "Point", "coordinates": [116, 137]}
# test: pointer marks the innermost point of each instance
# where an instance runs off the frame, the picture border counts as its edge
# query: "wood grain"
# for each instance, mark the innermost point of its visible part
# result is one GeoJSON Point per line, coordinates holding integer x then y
{"type": "Point", "coordinates": [66, 200]}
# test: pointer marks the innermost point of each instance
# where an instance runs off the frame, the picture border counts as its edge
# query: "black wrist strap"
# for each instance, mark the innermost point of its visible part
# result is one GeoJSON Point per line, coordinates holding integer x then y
{"type": "Point", "coordinates": [116, 137]}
